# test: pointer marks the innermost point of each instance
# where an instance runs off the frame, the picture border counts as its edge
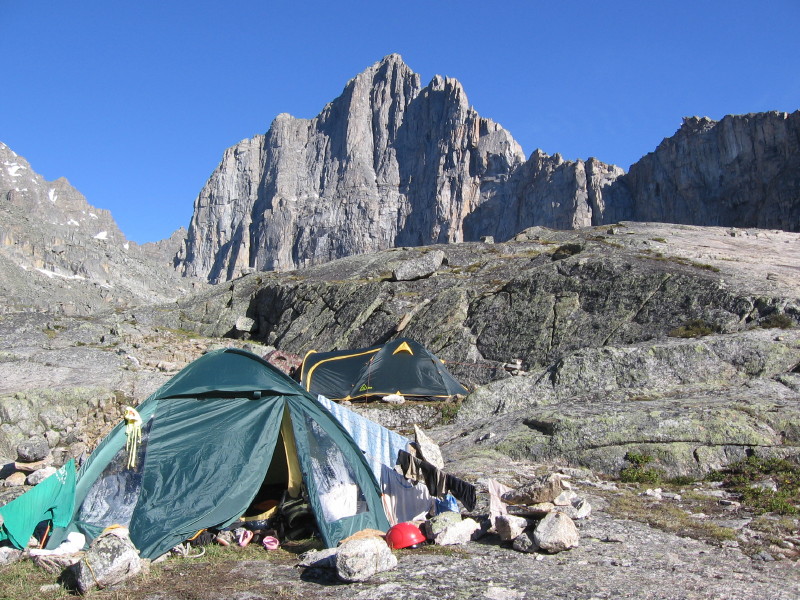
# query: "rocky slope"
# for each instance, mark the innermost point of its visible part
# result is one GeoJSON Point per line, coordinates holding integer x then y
{"type": "Point", "coordinates": [592, 315]}
{"type": "Point", "coordinates": [390, 164]}
{"type": "Point", "coordinates": [60, 254]}
{"type": "Point", "coordinates": [595, 319]}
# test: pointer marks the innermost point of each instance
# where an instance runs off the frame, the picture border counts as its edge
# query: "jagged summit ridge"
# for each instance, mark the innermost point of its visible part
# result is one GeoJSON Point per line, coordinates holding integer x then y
{"type": "Point", "coordinates": [391, 163]}
{"type": "Point", "coordinates": [387, 163]}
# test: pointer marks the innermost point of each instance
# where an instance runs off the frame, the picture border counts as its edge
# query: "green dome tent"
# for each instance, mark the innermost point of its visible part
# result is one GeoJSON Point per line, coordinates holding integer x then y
{"type": "Point", "coordinates": [228, 428]}
{"type": "Point", "coordinates": [401, 366]}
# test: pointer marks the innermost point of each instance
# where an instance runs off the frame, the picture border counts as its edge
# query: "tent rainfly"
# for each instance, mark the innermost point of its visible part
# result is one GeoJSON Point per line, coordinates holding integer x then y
{"type": "Point", "coordinates": [401, 366]}
{"type": "Point", "coordinates": [228, 433]}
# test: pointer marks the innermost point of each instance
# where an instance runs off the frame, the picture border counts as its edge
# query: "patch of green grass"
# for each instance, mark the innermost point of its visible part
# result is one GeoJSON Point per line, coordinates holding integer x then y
{"type": "Point", "coordinates": [680, 480]}
{"type": "Point", "coordinates": [777, 528]}
{"type": "Point", "coordinates": [24, 580]}
{"type": "Point", "coordinates": [648, 253]}
{"type": "Point", "coordinates": [694, 328]}
{"type": "Point", "coordinates": [667, 517]}
{"type": "Point", "coordinates": [742, 478]}
{"type": "Point", "coordinates": [438, 550]}
{"type": "Point", "coordinates": [449, 411]}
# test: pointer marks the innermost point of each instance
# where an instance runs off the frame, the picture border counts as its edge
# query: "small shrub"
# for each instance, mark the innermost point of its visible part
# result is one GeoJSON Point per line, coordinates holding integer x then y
{"type": "Point", "coordinates": [739, 478]}
{"type": "Point", "coordinates": [679, 480]}
{"type": "Point", "coordinates": [694, 328]}
{"type": "Point", "coordinates": [777, 321]}
{"type": "Point", "coordinates": [566, 251]}
{"type": "Point", "coordinates": [638, 472]}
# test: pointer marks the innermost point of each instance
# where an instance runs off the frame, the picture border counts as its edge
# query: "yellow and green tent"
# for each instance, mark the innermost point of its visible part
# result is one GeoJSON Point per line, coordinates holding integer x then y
{"type": "Point", "coordinates": [401, 366]}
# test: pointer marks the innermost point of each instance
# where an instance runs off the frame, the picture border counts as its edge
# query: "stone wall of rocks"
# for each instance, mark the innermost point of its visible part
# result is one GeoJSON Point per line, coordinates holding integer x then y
{"type": "Point", "coordinates": [67, 422]}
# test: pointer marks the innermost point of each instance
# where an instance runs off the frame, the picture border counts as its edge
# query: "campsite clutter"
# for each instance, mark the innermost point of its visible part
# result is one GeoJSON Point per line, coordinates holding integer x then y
{"type": "Point", "coordinates": [163, 483]}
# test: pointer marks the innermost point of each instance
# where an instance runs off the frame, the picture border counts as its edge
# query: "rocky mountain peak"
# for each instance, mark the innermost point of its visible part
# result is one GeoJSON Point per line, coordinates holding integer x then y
{"type": "Point", "coordinates": [63, 255]}
{"type": "Point", "coordinates": [386, 163]}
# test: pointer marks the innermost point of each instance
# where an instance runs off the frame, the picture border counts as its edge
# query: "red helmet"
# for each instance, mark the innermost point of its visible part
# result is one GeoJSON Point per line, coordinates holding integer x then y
{"type": "Point", "coordinates": [404, 535]}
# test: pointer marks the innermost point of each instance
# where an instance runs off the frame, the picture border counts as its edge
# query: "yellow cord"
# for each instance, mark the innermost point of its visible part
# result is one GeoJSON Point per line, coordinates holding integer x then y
{"type": "Point", "coordinates": [133, 433]}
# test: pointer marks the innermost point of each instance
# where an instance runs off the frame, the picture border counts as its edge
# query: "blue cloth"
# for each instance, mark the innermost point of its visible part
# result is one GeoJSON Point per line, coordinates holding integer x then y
{"type": "Point", "coordinates": [446, 504]}
{"type": "Point", "coordinates": [380, 445]}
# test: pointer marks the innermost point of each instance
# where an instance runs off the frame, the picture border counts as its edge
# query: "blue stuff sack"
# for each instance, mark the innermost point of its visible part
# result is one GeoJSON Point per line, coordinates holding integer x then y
{"type": "Point", "coordinates": [446, 504]}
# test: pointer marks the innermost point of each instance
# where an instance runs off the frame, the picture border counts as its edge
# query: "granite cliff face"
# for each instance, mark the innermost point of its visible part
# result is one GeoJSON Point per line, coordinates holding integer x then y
{"type": "Point", "coordinates": [742, 171]}
{"type": "Point", "coordinates": [59, 254]}
{"type": "Point", "coordinates": [390, 163]}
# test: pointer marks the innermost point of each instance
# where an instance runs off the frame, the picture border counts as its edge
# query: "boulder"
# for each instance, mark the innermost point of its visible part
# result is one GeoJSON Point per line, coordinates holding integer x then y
{"type": "Point", "coordinates": [509, 527]}
{"type": "Point", "coordinates": [111, 559]}
{"type": "Point", "coordinates": [538, 510]}
{"type": "Point", "coordinates": [524, 543]}
{"type": "Point", "coordinates": [9, 555]}
{"type": "Point", "coordinates": [423, 265]}
{"type": "Point", "coordinates": [579, 508]}
{"type": "Point", "coordinates": [458, 533]}
{"type": "Point", "coordinates": [33, 450]}
{"type": "Point", "coordinates": [428, 448]}
{"type": "Point", "coordinates": [245, 324]}
{"type": "Point", "coordinates": [15, 479]}
{"type": "Point", "coordinates": [30, 467]}
{"type": "Point", "coordinates": [556, 533]}
{"type": "Point", "coordinates": [437, 524]}
{"type": "Point", "coordinates": [320, 559]}
{"type": "Point", "coordinates": [565, 498]}
{"type": "Point", "coordinates": [361, 558]}
{"type": "Point", "coordinates": [40, 475]}
{"type": "Point", "coordinates": [542, 489]}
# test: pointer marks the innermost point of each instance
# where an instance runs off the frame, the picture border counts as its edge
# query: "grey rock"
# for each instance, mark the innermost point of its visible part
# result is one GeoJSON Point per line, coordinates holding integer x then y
{"type": "Point", "coordinates": [245, 324]}
{"type": "Point", "coordinates": [437, 524]}
{"type": "Point", "coordinates": [542, 489]}
{"type": "Point", "coordinates": [9, 555]}
{"type": "Point", "coordinates": [360, 559]}
{"type": "Point", "coordinates": [110, 560]}
{"type": "Point", "coordinates": [15, 479]}
{"type": "Point", "coordinates": [565, 498]}
{"type": "Point", "coordinates": [39, 475]}
{"type": "Point", "coordinates": [459, 533]}
{"type": "Point", "coordinates": [579, 508]}
{"type": "Point", "coordinates": [419, 267]}
{"type": "Point", "coordinates": [733, 172]}
{"type": "Point", "coordinates": [61, 255]}
{"type": "Point", "coordinates": [388, 163]}
{"type": "Point", "coordinates": [33, 450]}
{"type": "Point", "coordinates": [428, 448]}
{"type": "Point", "coordinates": [510, 527]}
{"type": "Point", "coordinates": [321, 559]}
{"type": "Point", "coordinates": [524, 542]}
{"type": "Point", "coordinates": [556, 533]}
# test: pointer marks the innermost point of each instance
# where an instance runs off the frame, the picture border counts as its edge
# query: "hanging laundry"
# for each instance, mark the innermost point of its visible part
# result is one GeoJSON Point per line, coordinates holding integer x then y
{"type": "Point", "coordinates": [403, 500]}
{"type": "Point", "coordinates": [438, 482]}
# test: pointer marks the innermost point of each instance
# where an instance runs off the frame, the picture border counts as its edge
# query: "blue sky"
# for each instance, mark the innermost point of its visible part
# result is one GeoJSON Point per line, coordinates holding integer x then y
{"type": "Point", "coordinates": [135, 102]}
